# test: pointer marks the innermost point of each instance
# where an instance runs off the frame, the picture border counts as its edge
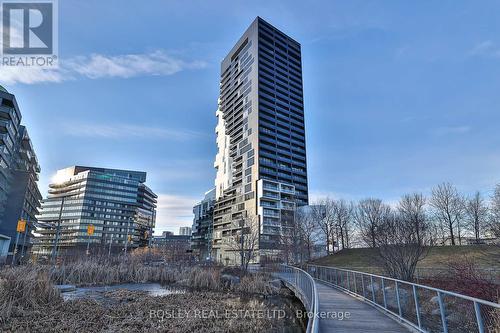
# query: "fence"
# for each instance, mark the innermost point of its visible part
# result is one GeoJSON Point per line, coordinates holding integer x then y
{"type": "Point", "coordinates": [305, 288]}
{"type": "Point", "coordinates": [424, 308]}
{"type": "Point", "coordinates": [421, 273]}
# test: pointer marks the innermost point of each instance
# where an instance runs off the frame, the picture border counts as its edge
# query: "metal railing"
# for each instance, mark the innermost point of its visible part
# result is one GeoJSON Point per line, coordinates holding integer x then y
{"type": "Point", "coordinates": [430, 272]}
{"type": "Point", "coordinates": [425, 308]}
{"type": "Point", "coordinates": [305, 289]}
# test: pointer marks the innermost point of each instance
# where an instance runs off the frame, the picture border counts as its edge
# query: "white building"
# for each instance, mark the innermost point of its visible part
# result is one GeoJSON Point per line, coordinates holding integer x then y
{"type": "Point", "coordinates": [185, 231]}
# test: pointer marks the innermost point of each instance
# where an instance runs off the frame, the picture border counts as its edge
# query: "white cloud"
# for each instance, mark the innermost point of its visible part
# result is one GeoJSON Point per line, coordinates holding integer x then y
{"type": "Point", "coordinates": [486, 48]}
{"type": "Point", "coordinates": [452, 130]}
{"type": "Point", "coordinates": [120, 131]}
{"type": "Point", "coordinates": [174, 211]}
{"type": "Point", "coordinates": [96, 66]}
{"type": "Point", "coordinates": [130, 65]}
{"type": "Point", "coordinates": [29, 75]}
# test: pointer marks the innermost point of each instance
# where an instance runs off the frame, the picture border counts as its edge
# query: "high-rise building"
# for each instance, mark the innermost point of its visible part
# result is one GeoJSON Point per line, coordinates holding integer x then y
{"type": "Point", "coordinates": [201, 241]}
{"type": "Point", "coordinates": [261, 159]}
{"type": "Point", "coordinates": [117, 203]}
{"type": "Point", "coordinates": [185, 231]}
{"type": "Point", "coordinates": [19, 170]}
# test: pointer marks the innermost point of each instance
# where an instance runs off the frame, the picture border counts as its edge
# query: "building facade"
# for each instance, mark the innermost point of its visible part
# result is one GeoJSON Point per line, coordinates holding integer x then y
{"type": "Point", "coordinates": [174, 247]}
{"type": "Point", "coordinates": [261, 160]}
{"type": "Point", "coordinates": [19, 170]}
{"type": "Point", "coordinates": [201, 241]}
{"type": "Point", "coordinates": [185, 231]}
{"type": "Point", "coordinates": [117, 203]}
{"type": "Point", "coordinates": [4, 248]}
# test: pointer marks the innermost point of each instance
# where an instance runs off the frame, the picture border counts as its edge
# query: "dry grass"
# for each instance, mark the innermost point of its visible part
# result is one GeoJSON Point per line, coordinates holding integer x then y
{"type": "Point", "coordinates": [486, 256]}
{"type": "Point", "coordinates": [203, 279]}
{"type": "Point", "coordinates": [31, 288]}
{"type": "Point", "coordinates": [131, 312]}
{"type": "Point", "coordinates": [25, 289]}
{"type": "Point", "coordinates": [494, 321]}
{"type": "Point", "coordinates": [30, 303]}
{"type": "Point", "coordinates": [256, 284]}
{"type": "Point", "coordinates": [91, 272]}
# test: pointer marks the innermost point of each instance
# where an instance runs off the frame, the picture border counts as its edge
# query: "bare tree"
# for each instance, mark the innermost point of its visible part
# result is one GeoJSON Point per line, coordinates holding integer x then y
{"type": "Point", "coordinates": [308, 233]}
{"type": "Point", "coordinates": [399, 250]}
{"type": "Point", "coordinates": [449, 209]}
{"type": "Point", "coordinates": [323, 215]}
{"type": "Point", "coordinates": [411, 207]}
{"type": "Point", "coordinates": [494, 224]}
{"type": "Point", "coordinates": [370, 215]}
{"type": "Point", "coordinates": [476, 212]}
{"type": "Point", "coordinates": [245, 240]}
{"type": "Point", "coordinates": [343, 214]}
{"type": "Point", "coordinates": [290, 239]}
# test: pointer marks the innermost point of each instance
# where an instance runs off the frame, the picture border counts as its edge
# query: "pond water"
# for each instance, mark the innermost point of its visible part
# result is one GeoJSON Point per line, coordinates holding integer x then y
{"type": "Point", "coordinates": [153, 289]}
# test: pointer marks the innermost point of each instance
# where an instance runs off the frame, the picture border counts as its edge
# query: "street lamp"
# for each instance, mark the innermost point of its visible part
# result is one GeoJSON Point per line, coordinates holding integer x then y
{"type": "Point", "coordinates": [58, 231]}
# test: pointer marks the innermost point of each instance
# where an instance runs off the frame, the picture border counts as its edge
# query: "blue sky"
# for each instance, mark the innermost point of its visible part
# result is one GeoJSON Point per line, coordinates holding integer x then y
{"type": "Point", "coordinates": [399, 95]}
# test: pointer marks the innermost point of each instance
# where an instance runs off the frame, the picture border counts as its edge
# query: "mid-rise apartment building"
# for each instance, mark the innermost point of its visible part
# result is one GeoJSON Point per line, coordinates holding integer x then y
{"type": "Point", "coordinates": [19, 170]}
{"type": "Point", "coordinates": [117, 203]}
{"type": "Point", "coordinates": [261, 160]}
{"type": "Point", "coordinates": [201, 240]}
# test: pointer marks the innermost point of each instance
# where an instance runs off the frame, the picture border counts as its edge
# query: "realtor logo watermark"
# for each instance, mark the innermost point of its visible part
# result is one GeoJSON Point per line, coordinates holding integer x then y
{"type": "Point", "coordinates": [29, 33]}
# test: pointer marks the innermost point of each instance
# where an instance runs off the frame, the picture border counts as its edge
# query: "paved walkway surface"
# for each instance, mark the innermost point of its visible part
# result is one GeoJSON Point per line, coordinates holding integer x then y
{"type": "Point", "coordinates": [362, 316]}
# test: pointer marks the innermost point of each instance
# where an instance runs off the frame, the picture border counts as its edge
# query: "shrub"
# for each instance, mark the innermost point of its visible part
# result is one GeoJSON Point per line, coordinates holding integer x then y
{"type": "Point", "coordinates": [204, 278]}
{"type": "Point", "coordinates": [256, 284]}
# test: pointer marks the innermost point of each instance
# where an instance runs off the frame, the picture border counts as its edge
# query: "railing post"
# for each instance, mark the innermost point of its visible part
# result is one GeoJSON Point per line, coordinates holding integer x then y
{"type": "Point", "coordinates": [348, 281]}
{"type": "Point", "coordinates": [399, 303]}
{"type": "Point", "coordinates": [479, 318]}
{"type": "Point", "coordinates": [442, 311]}
{"type": "Point", "coordinates": [355, 287]}
{"type": "Point", "coordinates": [336, 277]}
{"type": "Point", "coordinates": [373, 288]}
{"type": "Point", "coordinates": [417, 307]}
{"type": "Point", "coordinates": [383, 293]}
{"type": "Point", "coordinates": [363, 284]}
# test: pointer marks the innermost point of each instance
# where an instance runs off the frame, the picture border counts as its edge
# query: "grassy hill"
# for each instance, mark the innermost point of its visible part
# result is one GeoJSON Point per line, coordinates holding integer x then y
{"type": "Point", "coordinates": [485, 256]}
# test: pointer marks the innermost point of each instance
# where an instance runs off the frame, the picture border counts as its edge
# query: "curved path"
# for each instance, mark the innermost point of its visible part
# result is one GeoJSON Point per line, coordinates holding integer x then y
{"type": "Point", "coordinates": [340, 312]}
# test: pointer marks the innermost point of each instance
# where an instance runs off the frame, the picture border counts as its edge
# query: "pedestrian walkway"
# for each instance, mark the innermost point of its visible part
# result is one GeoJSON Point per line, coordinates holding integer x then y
{"type": "Point", "coordinates": [340, 312]}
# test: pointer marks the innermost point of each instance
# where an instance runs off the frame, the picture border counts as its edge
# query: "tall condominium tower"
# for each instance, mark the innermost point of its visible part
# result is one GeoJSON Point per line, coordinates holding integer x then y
{"type": "Point", "coordinates": [19, 169]}
{"type": "Point", "coordinates": [261, 159]}
{"type": "Point", "coordinates": [117, 203]}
